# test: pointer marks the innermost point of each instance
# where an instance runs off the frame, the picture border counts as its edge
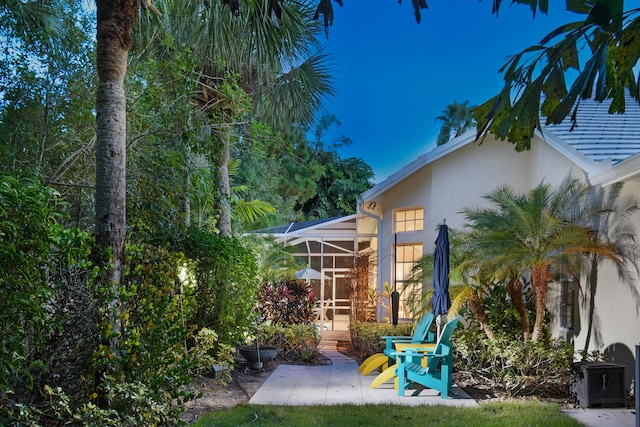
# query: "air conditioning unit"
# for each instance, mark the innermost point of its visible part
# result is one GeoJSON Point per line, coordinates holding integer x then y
{"type": "Point", "coordinates": [598, 384]}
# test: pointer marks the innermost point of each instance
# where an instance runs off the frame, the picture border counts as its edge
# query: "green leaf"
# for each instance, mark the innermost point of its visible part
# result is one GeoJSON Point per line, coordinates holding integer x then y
{"type": "Point", "coordinates": [525, 116]}
{"type": "Point", "coordinates": [607, 13]}
{"type": "Point", "coordinates": [561, 30]}
{"type": "Point", "coordinates": [627, 53]}
{"type": "Point", "coordinates": [580, 6]}
{"type": "Point", "coordinates": [554, 89]}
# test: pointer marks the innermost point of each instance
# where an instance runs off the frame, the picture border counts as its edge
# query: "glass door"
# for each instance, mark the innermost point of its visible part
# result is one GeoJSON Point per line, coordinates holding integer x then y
{"type": "Point", "coordinates": [337, 296]}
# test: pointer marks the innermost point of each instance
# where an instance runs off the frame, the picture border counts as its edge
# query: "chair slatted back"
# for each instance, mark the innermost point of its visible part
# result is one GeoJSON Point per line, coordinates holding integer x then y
{"type": "Point", "coordinates": [422, 328]}
{"type": "Point", "coordinates": [443, 340]}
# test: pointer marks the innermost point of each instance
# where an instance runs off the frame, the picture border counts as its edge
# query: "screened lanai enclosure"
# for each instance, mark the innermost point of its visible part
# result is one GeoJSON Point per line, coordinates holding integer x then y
{"type": "Point", "coordinates": [330, 247]}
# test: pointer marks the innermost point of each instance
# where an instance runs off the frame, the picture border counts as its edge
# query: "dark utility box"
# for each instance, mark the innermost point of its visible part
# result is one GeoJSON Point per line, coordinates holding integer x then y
{"type": "Point", "coordinates": [598, 384]}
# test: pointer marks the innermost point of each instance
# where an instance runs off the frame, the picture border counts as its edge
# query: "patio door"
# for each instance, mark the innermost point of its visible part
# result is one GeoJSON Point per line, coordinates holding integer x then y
{"type": "Point", "coordinates": [335, 298]}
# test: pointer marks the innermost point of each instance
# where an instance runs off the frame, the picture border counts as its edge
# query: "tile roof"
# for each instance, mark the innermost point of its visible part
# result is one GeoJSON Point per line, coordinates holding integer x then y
{"type": "Point", "coordinates": [600, 135]}
{"type": "Point", "coordinates": [294, 226]}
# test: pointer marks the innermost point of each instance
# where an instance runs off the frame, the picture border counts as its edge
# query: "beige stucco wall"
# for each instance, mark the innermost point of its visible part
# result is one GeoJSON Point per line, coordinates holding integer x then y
{"type": "Point", "coordinates": [617, 318]}
{"type": "Point", "coordinates": [460, 180]}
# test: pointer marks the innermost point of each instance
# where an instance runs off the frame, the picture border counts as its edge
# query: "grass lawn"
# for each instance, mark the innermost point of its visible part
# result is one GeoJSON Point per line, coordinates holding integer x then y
{"type": "Point", "coordinates": [489, 414]}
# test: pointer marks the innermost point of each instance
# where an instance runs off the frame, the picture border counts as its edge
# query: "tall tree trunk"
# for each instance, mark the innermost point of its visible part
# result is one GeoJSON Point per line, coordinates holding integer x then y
{"type": "Point", "coordinates": [477, 308]}
{"type": "Point", "coordinates": [514, 288]}
{"type": "Point", "coordinates": [224, 223]}
{"type": "Point", "coordinates": [116, 19]}
{"type": "Point", "coordinates": [540, 287]}
{"type": "Point", "coordinates": [593, 287]}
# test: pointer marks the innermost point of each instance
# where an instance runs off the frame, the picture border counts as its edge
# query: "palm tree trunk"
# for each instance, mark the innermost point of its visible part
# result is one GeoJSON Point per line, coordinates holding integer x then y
{"type": "Point", "coordinates": [224, 223]}
{"type": "Point", "coordinates": [116, 19]}
{"type": "Point", "coordinates": [477, 308]}
{"type": "Point", "coordinates": [514, 288]}
{"type": "Point", "coordinates": [540, 287]}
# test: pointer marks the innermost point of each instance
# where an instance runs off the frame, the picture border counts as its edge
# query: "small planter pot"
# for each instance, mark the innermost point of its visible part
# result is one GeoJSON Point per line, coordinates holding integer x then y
{"type": "Point", "coordinates": [258, 357]}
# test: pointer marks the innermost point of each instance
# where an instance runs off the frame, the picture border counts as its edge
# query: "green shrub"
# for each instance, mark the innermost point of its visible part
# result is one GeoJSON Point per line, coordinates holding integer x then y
{"type": "Point", "coordinates": [130, 404]}
{"type": "Point", "coordinates": [519, 367]}
{"type": "Point", "coordinates": [366, 337]}
{"type": "Point", "coordinates": [204, 344]}
{"type": "Point", "coordinates": [48, 324]}
{"type": "Point", "coordinates": [225, 284]}
{"type": "Point", "coordinates": [298, 342]}
{"type": "Point", "coordinates": [152, 361]}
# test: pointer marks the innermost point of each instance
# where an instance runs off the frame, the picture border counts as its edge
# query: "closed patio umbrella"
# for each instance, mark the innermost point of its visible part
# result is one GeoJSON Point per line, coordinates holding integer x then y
{"type": "Point", "coordinates": [441, 301]}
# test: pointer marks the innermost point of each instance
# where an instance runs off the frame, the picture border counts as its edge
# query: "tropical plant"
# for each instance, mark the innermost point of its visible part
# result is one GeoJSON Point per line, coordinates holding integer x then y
{"type": "Point", "coordinates": [518, 366]}
{"type": "Point", "coordinates": [457, 118]}
{"type": "Point", "coordinates": [533, 233]}
{"type": "Point", "coordinates": [593, 57]}
{"type": "Point", "coordinates": [287, 303]}
{"type": "Point", "coordinates": [362, 296]}
{"type": "Point", "coordinates": [242, 58]}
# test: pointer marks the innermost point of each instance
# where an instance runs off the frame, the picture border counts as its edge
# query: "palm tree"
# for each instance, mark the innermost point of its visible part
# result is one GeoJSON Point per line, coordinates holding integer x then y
{"type": "Point", "coordinates": [534, 233]}
{"type": "Point", "coordinates": [274, 64]}
{"type": "Point", "coordinates": [457, 118]}
{"type": "Point", "coordinates": [115, 22]}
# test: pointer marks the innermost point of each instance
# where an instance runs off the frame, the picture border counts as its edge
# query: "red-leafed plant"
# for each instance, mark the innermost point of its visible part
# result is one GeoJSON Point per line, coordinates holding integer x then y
{"type": "Point", "coordinates": [286, 303]}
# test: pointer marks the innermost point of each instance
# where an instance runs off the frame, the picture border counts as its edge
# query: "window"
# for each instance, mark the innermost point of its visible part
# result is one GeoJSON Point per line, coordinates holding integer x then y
{"type": "Point", "coordinates": [409, 220]}
{"type": "Point", "coordinates": [407, 256]}
{"type": "Point", "coordinates": [567, 303]}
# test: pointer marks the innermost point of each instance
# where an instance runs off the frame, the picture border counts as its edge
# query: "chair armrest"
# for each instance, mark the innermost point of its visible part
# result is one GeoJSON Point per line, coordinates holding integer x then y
{"type": "Point", "coordinates": [390, 339]}
{"type": "Point", "coordinates": [396, 337]}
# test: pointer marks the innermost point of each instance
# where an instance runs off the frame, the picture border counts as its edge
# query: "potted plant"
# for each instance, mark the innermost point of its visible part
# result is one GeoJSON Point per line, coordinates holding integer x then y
{"type": "Point", "coordinates": [257, 354]}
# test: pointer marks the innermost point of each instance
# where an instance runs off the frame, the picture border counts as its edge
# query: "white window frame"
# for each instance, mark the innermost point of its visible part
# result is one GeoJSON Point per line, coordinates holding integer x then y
{"type": "Point", "coordinates": [408, 220]}
{"type": "Point", "coordinates": [403, 273]}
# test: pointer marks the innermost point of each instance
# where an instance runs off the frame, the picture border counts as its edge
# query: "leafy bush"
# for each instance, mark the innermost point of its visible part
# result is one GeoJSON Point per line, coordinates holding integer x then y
{"type": "Point", "coordinates": [130, 404]}
{"type": "Point", "coordinates": [366, 337]}
{"type": "Point", "coordinates": [47, 317]}
{"type": "Point", "coordinates": [153, 362]}
{"type": "Point", "coordinates": [298, 342]}
{"type": "Point", "coordinates": [204, 344]}
{"type": "Point", "coordinates": [286, 303]}
{"type": "Point", "coordinates": [225, 288]}
{"type": "Point", "coordinates": [518, 366]}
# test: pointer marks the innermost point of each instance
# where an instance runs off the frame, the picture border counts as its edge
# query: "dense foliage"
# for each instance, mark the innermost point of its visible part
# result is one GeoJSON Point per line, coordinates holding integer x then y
{"type": "Point", "coordinates": [366, 336]}
{"type": "Point", "coordinates": [512, 364]}
{"type": "Point", "coordinates": [56, 360]}
{"type": "Point", "coordinates": [47, 312]}
{"type": "Point", "coordinates": [298, 342]}
{"type": "Point", "coordinates": [225, 287]}
{"type": "Point", "coordinates": [286, 303]}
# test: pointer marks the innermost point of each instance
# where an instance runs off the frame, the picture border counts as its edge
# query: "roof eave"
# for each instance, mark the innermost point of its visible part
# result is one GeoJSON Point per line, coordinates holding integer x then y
{"type": "Point", "coordinates": [422, 161]}
{"type": "Point", "coordinates": [626, 170]}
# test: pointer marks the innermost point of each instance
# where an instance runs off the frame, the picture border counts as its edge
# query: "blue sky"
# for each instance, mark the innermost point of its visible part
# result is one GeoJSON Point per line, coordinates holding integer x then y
{"type": "Point", "coordinates": [393, 77]}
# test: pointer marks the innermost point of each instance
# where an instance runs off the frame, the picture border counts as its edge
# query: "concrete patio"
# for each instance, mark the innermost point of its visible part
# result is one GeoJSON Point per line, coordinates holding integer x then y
{"type": "Point", "coordinates": [340, 383]}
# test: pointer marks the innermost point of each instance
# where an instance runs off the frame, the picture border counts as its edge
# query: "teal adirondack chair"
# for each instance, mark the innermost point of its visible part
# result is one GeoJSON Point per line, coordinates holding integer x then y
{"type": "Point", "coordinates": [421, 335]}
{"type": "Point", "coordinates": [437, 374]}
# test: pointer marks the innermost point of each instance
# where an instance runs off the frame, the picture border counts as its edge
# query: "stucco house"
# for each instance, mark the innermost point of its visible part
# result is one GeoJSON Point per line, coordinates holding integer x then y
{"type": "Point", "coordinates": [397, 220]}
